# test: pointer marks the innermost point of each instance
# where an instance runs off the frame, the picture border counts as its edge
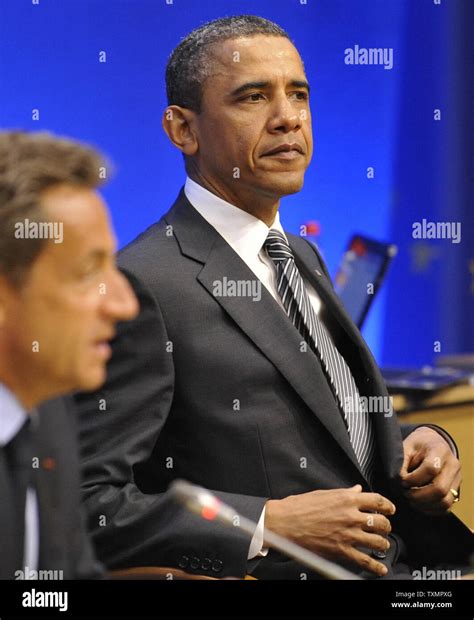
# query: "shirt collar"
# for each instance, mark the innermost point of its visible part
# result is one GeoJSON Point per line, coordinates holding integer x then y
{"type": "Point", "coordinates": [12, 415]}
{"type": "Point", "coordinates": [245, 233]}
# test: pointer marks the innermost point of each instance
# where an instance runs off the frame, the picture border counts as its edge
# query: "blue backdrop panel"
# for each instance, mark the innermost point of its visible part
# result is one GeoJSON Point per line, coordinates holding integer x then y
{"type": "Point", "coordinates": [364, 117]}
{"type": "Point", "coordinates": [430, 293]}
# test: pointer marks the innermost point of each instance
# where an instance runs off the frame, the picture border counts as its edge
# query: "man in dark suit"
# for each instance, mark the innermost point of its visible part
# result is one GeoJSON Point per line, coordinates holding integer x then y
{"type": "Point", "coordinates": [243, 371]}
{"type": "Point", "coordinates": [60, 297]}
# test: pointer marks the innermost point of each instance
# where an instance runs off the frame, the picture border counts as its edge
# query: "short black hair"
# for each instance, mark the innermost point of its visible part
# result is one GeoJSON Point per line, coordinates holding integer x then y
{"type": "Point", "coordinates": [190, 62]}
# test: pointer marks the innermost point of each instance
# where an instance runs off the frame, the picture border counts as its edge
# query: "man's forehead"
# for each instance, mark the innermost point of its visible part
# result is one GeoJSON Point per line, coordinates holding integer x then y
{"type": "Point", "coordinates": [82, 213]}
{"type": "Point", "coordinates": [264, 53]}
{"type": "Point", "coordinates": [75, 206]}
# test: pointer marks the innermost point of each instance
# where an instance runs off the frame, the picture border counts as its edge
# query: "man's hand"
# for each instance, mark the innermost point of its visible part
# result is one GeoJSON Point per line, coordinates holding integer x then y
{"type": "Point", "coordinates": [429, 471]}
{"type": "Point", "coordinates": [333, 523]}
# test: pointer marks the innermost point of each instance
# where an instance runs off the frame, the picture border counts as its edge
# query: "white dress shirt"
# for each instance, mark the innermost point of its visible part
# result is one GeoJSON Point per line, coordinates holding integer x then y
{"type": "Point", "coordinates": [246, 235]}
{"type": "Point", "coordinates": [12, 418]}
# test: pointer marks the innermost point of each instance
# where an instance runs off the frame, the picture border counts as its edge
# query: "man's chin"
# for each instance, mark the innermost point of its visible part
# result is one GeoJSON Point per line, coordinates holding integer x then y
{"type": "Point", "coordinates": [287, 184]}
{"type": "Point", "coordinates": [94, 379]}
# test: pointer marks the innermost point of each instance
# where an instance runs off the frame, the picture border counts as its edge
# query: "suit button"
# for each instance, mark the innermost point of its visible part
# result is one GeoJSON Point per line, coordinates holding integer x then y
{"type": "Point", "coordinates": [216, 566]}
{"type": "Point", "coordinates": [195, 562]}
{"type": "Point", "coordinates": [206, 564]}
{"type": "Point", "coordinates": [184, 561]}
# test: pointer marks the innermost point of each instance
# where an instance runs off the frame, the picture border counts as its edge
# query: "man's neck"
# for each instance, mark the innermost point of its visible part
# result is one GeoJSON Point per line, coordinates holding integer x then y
{"type": "Point", "coordinates": [261, 207]}
{"type": "Point", "coordinates": [25, 393]}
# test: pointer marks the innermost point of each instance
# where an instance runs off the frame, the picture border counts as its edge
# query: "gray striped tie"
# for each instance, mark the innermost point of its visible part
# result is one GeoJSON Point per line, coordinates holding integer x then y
{"type": "Point", "coordinates": [296, 302]}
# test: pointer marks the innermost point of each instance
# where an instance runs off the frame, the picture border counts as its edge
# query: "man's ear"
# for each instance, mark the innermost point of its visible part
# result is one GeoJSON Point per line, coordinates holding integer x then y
{"type": "Point", "coordinates": [178, 125]}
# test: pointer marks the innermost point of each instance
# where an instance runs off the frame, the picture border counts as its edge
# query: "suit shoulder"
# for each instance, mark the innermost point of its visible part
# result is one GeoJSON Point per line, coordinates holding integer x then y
{"type": "Point", "coordinates": [154, 245]}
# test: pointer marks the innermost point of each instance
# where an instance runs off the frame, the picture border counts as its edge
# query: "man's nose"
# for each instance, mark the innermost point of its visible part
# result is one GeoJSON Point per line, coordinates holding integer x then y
{"type": "Point", "coordinates": [120, 302]}
{"type": "Point", "coordinates": [285, 115]}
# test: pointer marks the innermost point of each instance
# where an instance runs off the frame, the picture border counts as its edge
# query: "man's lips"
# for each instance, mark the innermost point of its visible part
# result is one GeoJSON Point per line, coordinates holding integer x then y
{"type": "Point", "coordinates": [102, 346]}
{"type": "Point", "coordinates": [285, 148]}
{"type": "Point", "coordinates": [103, 349]}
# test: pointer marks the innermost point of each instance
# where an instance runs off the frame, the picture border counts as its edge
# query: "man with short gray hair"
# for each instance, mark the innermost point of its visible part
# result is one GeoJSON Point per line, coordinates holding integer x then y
{"type": "Point", "coordinates": [60, 298]}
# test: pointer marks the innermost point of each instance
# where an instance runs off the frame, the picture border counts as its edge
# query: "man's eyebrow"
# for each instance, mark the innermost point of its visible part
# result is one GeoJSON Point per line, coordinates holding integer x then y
{"type": "Point", "coordinates": [300, 84]}
{"type": "Point", "coordinates": [264, 84]}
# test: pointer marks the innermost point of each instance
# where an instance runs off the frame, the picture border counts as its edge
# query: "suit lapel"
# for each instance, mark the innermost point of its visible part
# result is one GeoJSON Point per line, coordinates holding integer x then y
{"type": "Point", "coordinates": [47, 482]}
{"type": "Point", "coordinates": [311, 269]}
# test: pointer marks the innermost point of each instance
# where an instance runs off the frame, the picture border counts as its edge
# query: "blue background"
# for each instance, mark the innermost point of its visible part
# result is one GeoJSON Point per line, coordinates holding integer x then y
{"type": "Point", "coordinates": [363, 116]}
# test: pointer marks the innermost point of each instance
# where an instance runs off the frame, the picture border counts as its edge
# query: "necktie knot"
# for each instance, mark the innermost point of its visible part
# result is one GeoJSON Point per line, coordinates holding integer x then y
{"type": "Point", "coordinates": [277, 246]}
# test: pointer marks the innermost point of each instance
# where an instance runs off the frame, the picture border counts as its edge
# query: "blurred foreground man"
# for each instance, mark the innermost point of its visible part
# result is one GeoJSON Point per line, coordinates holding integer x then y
{"type": "Point", "coordinates": [243, 372]}
{"type": "Point", "coordinates": [60, 298]}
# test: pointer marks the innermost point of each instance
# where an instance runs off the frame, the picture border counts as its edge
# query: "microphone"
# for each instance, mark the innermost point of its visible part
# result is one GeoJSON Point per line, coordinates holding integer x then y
{"type": "Point", "coordinates": [203, 503]}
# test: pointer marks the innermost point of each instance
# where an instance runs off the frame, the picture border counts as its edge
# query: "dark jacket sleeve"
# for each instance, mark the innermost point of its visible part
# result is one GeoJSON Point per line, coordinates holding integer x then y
{"type": "Point", "coordinates": [409, 428]}
{"type": "Point", "coordinates": [119, 427]}
{"type": "Point", "coordinates": [86, 565]}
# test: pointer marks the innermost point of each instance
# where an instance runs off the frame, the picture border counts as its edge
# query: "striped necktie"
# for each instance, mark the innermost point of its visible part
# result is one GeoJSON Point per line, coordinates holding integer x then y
{"type": "Point", "coordinates": [296, 302]}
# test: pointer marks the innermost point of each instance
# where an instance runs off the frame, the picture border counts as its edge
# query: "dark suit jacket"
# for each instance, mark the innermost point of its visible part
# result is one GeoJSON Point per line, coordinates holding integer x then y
{"type": "Point", "coordinates": [218, 391]}
{"type": "Point", "coordinates": [64, 543]}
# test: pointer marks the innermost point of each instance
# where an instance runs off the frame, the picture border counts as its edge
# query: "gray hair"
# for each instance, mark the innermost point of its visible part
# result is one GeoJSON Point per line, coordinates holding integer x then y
{"type": "Point", "coordinates": [190, 63]}
{"type": "Point", "coordinates": [31, 163]}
